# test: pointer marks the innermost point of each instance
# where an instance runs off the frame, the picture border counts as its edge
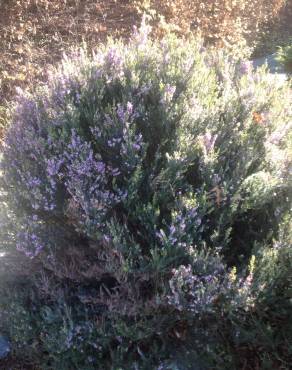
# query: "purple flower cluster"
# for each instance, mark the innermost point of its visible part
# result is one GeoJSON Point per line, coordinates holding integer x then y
{"type": "Point", "coordinates": [208, 141]}
{"type": "Point", "coordinates": [246, 67]}
{"type": "Point", "coordinates": [113, 64]}
{"type": "Point", "coordinates": [67, 86]}
{"type": "Point", "coordinates": [87, 180]}
{"type": "Point", "coordinates": [25, 157]}
{"type": "Point", "coordinates": [122, 141]}
{"type": "Point", "coordinates": [278, 135]}
{"type": "Point", "coordinates": [39, 162]}
{"type": "Point", "coordinates": [168, 94]}
{"type": "Point", "coordinates": [29, 240]}
{"type": "Point", "coordinates": [183, 227]}
{"type": "Point", "coordinates": [141, 35]}
{"type": "Point", "coordinates": [194, 291]}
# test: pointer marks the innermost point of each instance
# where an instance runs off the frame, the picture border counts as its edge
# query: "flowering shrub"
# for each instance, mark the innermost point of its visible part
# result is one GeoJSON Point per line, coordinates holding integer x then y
{"type": "Point", "coordinates": [136, 178]}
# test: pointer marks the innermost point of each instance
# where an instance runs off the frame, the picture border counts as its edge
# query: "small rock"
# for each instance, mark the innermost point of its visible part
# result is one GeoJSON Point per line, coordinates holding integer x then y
{"type": "Point", "coordinates": [4, 347]}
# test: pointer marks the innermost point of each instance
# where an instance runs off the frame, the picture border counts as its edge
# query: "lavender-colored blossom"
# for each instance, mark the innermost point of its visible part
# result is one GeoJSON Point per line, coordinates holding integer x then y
{"type": "Point", "coordinates": [121, 113]}
{"type": "Point", "coordinates": [179, 233]}
{"type": "Point", "coordinates": [145, 89]}
{"type": "Point", "coordinates": [136, 146]}
{"type": "Point", "coordinates": [141, 35]}
{"type": "Point", "coordinates": [168, 94]}
{"type": "Point", "coordinates": [129, 108]}
{"type": "Point", "coordinates": [209, 141]}
{"type": "Point", "coordinates": [28, 240]}
{"type": "Point", "coordinates": [53, 166]}
{"type": "Point", "coordinates": [246, 67]}
{"type": "Point", "coordinates": [279, 134]}
{"type": "Point", "coordinates": [194, 292]}
{"type": "Point", "coordinates": [114, 57]}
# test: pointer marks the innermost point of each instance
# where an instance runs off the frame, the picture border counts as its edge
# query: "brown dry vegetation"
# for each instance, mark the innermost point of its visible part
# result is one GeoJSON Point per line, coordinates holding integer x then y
{"type": "Point", "coordinates": [222, 22]}
{"type": "Point", "coordinates": [35, 33]}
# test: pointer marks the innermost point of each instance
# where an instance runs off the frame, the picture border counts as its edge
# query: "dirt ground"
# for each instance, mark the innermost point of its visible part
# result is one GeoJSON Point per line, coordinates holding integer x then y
{"type": "Point", "coordinates": [35, 33]}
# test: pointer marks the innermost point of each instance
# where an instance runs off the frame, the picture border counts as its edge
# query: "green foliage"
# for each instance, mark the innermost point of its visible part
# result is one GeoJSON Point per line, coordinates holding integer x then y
{"type": "Point", "coordinates": [262, 327]}
{"type": "Point", "coordinates": [141, 182]}
{"type": "Point", "coordinates": [284, 56]}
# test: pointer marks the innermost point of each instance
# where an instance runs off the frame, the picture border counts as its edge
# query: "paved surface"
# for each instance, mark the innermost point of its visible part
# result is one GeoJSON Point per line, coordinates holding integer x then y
{"type": "Point", "coordinates": [275, 69]}
{"type": "Point", "coordinates": [271, 62]}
